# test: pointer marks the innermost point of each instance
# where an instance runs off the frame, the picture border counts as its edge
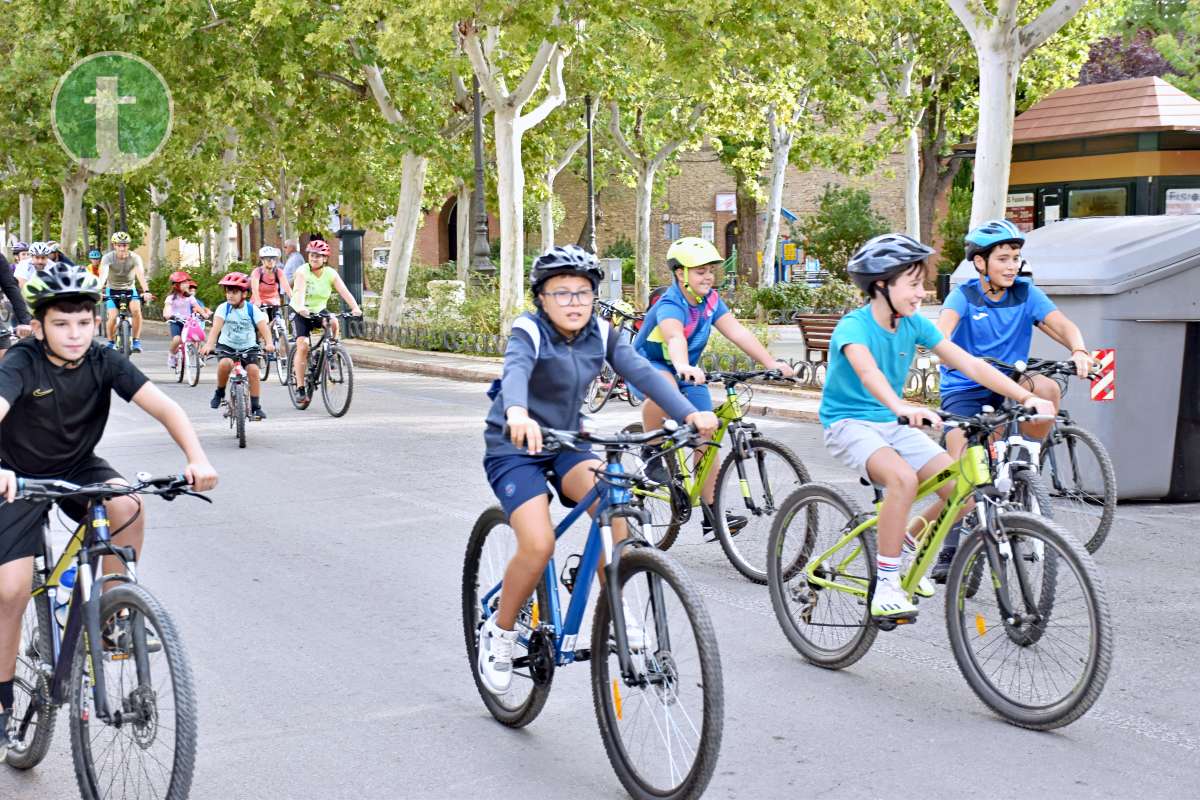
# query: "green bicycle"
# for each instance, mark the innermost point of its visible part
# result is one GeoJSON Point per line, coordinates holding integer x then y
{"type": "Point", "coordinates": [759, 472]}
{"type": "Point", "coordinates": [1036, 648]}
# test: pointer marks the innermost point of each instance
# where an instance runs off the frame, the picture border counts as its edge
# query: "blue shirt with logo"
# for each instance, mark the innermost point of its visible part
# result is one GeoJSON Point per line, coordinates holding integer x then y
{"type": "Point", "coordinates": [1000, 329]}
{"type": "Point", "coordinates": [697, 322]}
{"type": "Point", "coordinates": [238, 333]}
{"type": "Point", "coordinates": [845, 396]}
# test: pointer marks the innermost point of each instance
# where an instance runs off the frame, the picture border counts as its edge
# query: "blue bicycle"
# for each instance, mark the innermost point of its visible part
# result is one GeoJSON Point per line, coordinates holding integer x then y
{"type": "Point", "coordinates": [660, 707]}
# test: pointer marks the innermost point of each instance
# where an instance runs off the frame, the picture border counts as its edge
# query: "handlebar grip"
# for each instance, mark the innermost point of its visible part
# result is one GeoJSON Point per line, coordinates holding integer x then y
{"type": "Point", "coordinates": [905, 421]}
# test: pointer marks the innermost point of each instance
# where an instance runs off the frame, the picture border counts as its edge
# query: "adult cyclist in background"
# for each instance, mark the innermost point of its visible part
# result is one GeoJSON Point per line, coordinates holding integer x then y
{"type": "Point", "coordinates": [312, 286]}
{"type": "Point", "coordinates": [268, 285]}
{"type": "Point", "coordinates": [119, 268]}
{"type": "Point", "coordinates": [20, 318]}
{"type": "Point", "coordinates": [57, 255]}
{"type": "Point", "coordinates": [37, 256]}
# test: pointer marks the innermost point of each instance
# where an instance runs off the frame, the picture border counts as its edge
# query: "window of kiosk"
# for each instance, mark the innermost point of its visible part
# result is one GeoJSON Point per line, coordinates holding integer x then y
{"type": "Point", "coordinates": [1099, 202]}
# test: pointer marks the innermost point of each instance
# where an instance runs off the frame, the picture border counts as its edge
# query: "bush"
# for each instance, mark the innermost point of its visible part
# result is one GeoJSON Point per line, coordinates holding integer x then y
{"type": "Point", "coordinates": [836, 296]}
{"type": "Point", "coordinates": [843, 221]}
{"type": "Point", "coordinates": [621, 248]}
{"type": "Point", "coordinates": [954, 228]}
{"type": "Point", "coordinates": [784, 296]}
{"type": "Point", "coordinates": [720, 346]}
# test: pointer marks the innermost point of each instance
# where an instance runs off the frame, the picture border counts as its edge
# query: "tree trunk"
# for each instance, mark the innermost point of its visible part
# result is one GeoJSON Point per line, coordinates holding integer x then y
{"type": "Point", "coordinates": [158, 232]}
{"type": "Point", "coordinates": [73, 188]}
{"type": "Point", "coordinates": [547, 215]}
{"type": "Point", "coordinates": [747, 238]}
{"type": "Point", "coordinates": [283, 207]}
{"type": "Point", "coordinates": [26, 229]}
{"type": "Point", "coordinates": [462, 212]}
{"type": "Point", "coordinates": [205, 247]}
{"type": "Point", "coordinates": [644, 198]}
{"type": "Point", "coordinates": [510, 179]}
{"type": "Point", "coordinates": [46, 236]}
{"type": "Point", "coordinates": [998, 67]}
{"type": "Point", "coordinates": [404, 236]}
{"type": "Point", "coordinates": [912, 183]}
{"type": "Point", "coordinates": [780, 153]}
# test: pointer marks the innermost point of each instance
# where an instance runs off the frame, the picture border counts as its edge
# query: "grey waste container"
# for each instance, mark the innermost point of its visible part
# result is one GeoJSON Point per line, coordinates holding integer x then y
{"type": "Point", "coordinates": [1133, 284]}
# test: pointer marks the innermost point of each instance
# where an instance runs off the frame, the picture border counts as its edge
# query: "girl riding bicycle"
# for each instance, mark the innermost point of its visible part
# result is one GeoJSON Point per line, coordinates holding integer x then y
{"type": "Point", "coordinates": [177, 307]}
{"type": "Point", "coordinates": [551, 358]}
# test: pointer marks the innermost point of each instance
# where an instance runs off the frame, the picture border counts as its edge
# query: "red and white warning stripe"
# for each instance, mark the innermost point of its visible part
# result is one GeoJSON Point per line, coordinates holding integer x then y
{"type": "Point", "coordinates": [1105, 387]}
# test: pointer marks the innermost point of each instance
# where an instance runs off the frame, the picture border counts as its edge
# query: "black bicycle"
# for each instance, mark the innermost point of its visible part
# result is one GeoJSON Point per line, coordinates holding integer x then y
{"type": "Point", "coordinates": [117, 660]}
{"type": "Point", "coordinates": [608, 384]}
{"type": "Point", "coordinates": [279, 335]}
{"type": "Point", "coordinates": [329, 367]}
{"type": "Point", "coordinates": [124, 333]}
{"type": "Point", "coordinates": [237, 402]}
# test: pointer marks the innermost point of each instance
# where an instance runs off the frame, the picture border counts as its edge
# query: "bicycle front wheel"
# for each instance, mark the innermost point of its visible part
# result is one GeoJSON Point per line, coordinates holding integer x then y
{"type": "Point", "coordinates": [750, 487]}
{"type": "Point", "coordinates": [237, 407]}
{"type": "Point", "coordinates": [654, 498]}
{"type": "Point", "coordinates": [194, 363]}
{"type": "Point", "coordinates": [31, 685]}
{"type": "Point", "coordinates": [337, 381]}
{"type": "Point", "coordinates": [181, 362]}
{"type": "Point", "coordinates": [1082, 483]}
{"type": "Point", "coordinates": [1053, 675]}
{"type": "Point", "coordinates": [126, 337]}
{"type": "Point", "coordinates": [150, 741]}
{"type": "Point", "coordinates": [661, 727]}
{"type": "Point", "coordinates": [283, 359]}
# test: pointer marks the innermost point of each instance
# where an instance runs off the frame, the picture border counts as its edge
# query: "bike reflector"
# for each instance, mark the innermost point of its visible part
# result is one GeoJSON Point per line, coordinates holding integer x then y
{"type": "Point", "coordinates": [1105, 387]}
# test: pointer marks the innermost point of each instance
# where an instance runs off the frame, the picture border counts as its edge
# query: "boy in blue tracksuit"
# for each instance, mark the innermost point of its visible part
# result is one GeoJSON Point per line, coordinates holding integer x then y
{"type": "Point", "coordinates": [551, 358]}
{"type": "Point", "coordinates": [994, 316]}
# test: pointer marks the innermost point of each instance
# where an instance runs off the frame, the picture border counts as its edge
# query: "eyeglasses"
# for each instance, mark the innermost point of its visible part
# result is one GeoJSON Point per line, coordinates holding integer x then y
{"type": "Point", "coordinates": [564, 298]}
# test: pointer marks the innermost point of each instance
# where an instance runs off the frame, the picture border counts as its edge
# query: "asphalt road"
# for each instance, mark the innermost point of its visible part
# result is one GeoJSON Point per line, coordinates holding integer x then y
{"type": "Point", "coordinates": [319, 598]}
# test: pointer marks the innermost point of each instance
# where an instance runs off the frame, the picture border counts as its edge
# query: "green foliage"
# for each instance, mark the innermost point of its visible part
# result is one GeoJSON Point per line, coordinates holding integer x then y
{"type": "Point", "coordinates": [784, 296]}
{"type": "Point", "coordinates": [953, 228]}
{"type": "Point", "coordinates": [1182, 52]}
{"type": "Point", "coordinates": [719, 345]}
{"type": "Point", "coordinates": [836, 295]}
{"type": "Point", "coordinates": [419, 276]}
{"type": "Point", "coordinates": [620, 248]}
{"type": "Point", "coordinates": [843, 221]}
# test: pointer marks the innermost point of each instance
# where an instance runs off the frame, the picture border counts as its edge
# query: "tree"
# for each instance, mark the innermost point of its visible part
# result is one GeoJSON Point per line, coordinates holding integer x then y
{"type": "Point", "coordinates": [1182, 52]}
{"type": "Point", "coordinates": [1119, 57]}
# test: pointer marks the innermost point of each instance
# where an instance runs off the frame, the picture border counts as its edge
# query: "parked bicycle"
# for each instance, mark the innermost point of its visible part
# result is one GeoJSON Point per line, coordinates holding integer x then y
{"type": "Point", "coordinates": [330, 368]}
{"type": "Point", "coordinates": [189, 361]}
{"type": "Point", "coordinates": [660, 708]}
{"type": "Point", "coordinates": [117, 660]}
{"type": "Point", "coordinates": [608, 384]}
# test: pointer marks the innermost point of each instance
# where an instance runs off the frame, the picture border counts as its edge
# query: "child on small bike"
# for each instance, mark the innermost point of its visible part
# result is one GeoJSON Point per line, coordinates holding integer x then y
{"type": "Point", "coordinates": [55, 392]}
{"type": "Point", "coordinates": [870, 354]}
{"type": "Point", "coordinates": [237, 327]}
{"type": "Point", "coordinates": [268, 285]}
{"type": "Point", "coordinates": [674, 334]}
{"type": "Point", "coordinates": [550, 359]}
{"type": "Point", "coordinates": [177, 307]}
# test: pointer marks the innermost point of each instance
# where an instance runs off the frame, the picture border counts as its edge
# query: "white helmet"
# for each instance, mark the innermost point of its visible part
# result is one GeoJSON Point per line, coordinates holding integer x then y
{"type": "Point", "coordinates": [40, 249]}
{"type": "Point", "coordinates": [268, 251]}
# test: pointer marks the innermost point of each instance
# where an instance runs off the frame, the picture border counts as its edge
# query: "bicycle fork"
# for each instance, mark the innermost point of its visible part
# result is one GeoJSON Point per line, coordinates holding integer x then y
{"type": "Point", "coordinates": [1000, 552]}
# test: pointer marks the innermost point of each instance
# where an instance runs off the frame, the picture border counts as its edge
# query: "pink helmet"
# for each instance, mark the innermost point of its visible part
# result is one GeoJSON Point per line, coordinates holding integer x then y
{"type": "Point", "coordinates": [317, 246]}
{"type": "Point", "coordinates": [179, 276]}
{"type": "Point", "coordinates": [236, 280]}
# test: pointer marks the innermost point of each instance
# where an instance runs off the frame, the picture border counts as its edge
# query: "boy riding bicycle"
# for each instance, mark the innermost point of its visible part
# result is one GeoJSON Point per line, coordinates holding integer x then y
{"type": "Point", "coordinates": [55, 391]}
{"type": "Point", "coordinates": [312, 286]}
{"type": "Point", "coordinates": [994, 316]}
{"type": "Point", "coordinates": [237, 328]}
{"type": "Point", "coordinates": [870, 354]}
{"type": "Point", "coordinates": [673, 336]}
{"type": "Point", "coordinates": [550, 359]}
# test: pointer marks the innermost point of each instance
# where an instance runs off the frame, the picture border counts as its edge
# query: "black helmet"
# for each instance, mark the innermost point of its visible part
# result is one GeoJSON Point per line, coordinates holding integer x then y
{"type": "Point", "coordinates": [883, 257]}
{"type": "Point", "coordinates": [569, 260]}
{"type": "Point", "coordinates": [60, 281]}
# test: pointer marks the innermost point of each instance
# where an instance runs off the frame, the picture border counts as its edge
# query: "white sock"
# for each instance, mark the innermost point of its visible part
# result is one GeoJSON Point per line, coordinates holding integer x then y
{"type": "Point", "coordinates": [887, 568]}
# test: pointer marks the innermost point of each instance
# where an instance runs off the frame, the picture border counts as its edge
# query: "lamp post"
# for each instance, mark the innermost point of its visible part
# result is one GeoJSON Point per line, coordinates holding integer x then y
{"type": "Point", "coordinates": [121, 192]}
{"type": "Point", "coordinates": [481, 251]}
{"type": "Point", "coordinates": [589, 232]}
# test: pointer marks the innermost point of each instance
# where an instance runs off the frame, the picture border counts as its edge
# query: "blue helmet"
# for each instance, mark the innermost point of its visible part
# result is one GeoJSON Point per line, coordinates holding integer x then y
{"type": "Point", "coordinates": [983, 238]}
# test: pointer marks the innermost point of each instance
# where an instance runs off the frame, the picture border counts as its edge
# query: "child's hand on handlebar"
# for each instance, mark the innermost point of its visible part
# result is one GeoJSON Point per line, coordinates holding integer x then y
{"type": "Point", "coordinates": [691, 375]}
{"type": "Point", "coordinates": [1084, 363]}
{"type": "Point", "coordinates": [524, 431]}
{"type": "Point", "coordinates": [1040, 406]}
{"type": "Point", "coordinates": [784, 367]}
{"type": "Point", "coordinates": [705, 422]}
{"type": "Point", "coordinates": [919, 416]}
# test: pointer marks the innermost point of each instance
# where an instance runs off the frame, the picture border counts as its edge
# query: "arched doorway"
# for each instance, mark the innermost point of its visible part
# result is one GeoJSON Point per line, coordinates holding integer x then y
{"type": "Point", "coordinates": [731, 234]}
{"type": "Point", "coordinates": [452, 230]}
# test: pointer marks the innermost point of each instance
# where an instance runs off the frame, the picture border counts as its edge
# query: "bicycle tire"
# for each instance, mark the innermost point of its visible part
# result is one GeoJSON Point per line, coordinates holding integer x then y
{"type": "Point", "coordinates": [264, 366]}
{"type": "Point", "coordinates": [1084, 689]}
{"type": "Point", "coordinates": [237, 407]}
{"type": "Point", "coordinates": [338, 360]}
{"type": "Point", "coordinates": [181, 364]}
{"type": "Point", "coordinates": [195, 363]}
{"type": "Point", "coordinates": [33, 655]}
{"type": "Point", "coordinates": [634, 399]}
{"type": "Point", "coordinates": [609, 711]}
{"type": "Point", "coordinates": [142, 606]}
{"type": "Point", "coordinates": [783, 566]}
{"type": "Point", "coordinates": [125, 333]}
{"type": "Point", "coordinates": [1029, 494]}
{"type": "Point", "coordinates": [517, 715]}
{"type": "Point", "coordinates": [283, 358]}
{"type": "Point", "coordinates": [599, 390]}
{"type": "Point", "coordinates": [656, 506]}
{"type": "Point", "coordinates": [1092, 536]}
{"type": "Point", "coordinates": [737, 547]}
{"type": "Point", "coordinates": [293, 389]}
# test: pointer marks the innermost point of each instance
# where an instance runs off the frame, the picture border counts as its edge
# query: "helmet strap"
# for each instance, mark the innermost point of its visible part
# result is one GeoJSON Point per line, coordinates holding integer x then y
{"type": "Point", "coordinates": [68, 363]}
{"type": "Point", "coordinates": [887, 297]}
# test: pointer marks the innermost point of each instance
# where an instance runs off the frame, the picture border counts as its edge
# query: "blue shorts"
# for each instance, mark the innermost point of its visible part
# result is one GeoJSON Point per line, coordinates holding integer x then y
{"type": "Point", "coordinates": [113, 306]}
{"type": "Point", "coordinates": [176, 327]}
{"type": "Point", "coordinates": [967, 404]}
{"type": "Point", "coordinates": [517, 478]}
{"type": "Point", "coordinates": [696, 393]}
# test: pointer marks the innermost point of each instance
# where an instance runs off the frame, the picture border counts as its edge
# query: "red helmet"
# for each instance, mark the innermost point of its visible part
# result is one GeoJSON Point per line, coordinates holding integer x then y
{"type": "Point", "coordinates": [179, 276]}
{"type": "Point", "coordinates": [317, 246]}
{"type": "Point", "coordinates": [236, 280]}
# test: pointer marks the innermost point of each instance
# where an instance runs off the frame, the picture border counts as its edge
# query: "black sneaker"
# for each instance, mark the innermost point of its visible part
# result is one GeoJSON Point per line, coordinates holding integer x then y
{"type": "Point", "coordinates": [217, 398]}
{"type": "Point", "coordinates": [942, 568]}
{"type": "Point", "coordinates": [656, 466]}
{"type": "Point", "coordinates": [257, 413]}
{"type": "Point", "coordinates": [7, 740]}
{"type": "Point", "coordinates": [733, 523]}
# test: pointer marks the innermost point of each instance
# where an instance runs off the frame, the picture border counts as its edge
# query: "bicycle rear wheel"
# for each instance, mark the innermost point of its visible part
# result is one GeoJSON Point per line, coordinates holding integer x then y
{"type": "Point", "coordinates": [662, 732]}
{"type": "Point", "coordinates": [31, 686]}
{"type": "Point", "coordinates": [654, 498]}
{"type": "Point", "coordinates": [194, 363]}
{"type": "Point", "coordinates": [283, 358]}
{"type": "Point", "coordinates": [264, 366]}
{"type": "Point", "coordinates": [1082, 482]}
{"type": "Point", "coordinates": [1051, 677]}
{"type": "Point", "coordinates": [491, 546]}
{"type": "Point", "coordinates": [337, 381]}
{"type": "Point", "coordinates": [156, 738]}
{"type": "Point", "coordinates": [238, 408]}
{"type": "Point", "coordinates": [773, 472]}
{"type": "Point", "coordinates": [828, 619]}
{"type": "Point", "coordinates": [599, 390]}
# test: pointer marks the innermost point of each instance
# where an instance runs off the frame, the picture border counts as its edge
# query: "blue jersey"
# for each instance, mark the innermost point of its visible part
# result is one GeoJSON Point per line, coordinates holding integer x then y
{"type": "Point", "coordinates": [697, 322]}
{"type": "Point", "coordinates": [845, 396]}
{"type": "Point", "coordinates": [238, 331]}
{"type": "Point", "coordinates": [1000, 329]}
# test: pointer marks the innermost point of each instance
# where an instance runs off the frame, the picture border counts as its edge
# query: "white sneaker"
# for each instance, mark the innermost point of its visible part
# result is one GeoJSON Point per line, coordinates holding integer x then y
{"type": "Point", "coordinates": [633, 629]}
{"type": "Point", "coordinates": [171, 361]}
{"type": "Point", "coordinates": [495, 656]}
{"type": "Point", "coordinates": [925, 588]}
{"type": "Point", "coordinates": [890, 601]}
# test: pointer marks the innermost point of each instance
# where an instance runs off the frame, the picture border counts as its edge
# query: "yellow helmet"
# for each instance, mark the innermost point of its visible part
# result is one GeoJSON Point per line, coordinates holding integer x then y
{"type": "Point", "coordinates": [692, 251]}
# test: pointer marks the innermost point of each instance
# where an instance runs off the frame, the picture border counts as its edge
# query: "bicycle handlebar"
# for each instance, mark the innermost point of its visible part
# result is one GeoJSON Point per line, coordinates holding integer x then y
{"type": "Point", "coordinates": [741, 377]}
{"type": "Point", "coordinates": [553, 439]}
{"type": "Point", "coordinates": [1039, 366]}
{"type": "Point", "coordinates": [985, 420]}
{"type": "Point", "coordinates": [167, 486]}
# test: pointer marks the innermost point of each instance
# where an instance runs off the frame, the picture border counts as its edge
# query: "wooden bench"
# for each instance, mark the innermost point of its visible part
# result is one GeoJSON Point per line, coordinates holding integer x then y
{"type": "Point", "coordinates": [817, 330]}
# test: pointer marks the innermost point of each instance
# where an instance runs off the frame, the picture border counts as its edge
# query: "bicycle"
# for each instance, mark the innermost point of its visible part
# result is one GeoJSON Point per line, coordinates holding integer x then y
{"type": "Point", "coordinates": [118, 660]}
{"type": "Point", "coordinates": [188, 360]}
{"type": "Point", "coordinates": [760, 489]}
{"type": "Point", "coordinates": [237, 402]}
{"type": "Point", "coordinates": [640, 697]}
{"type": "Point", "coordinates": [329, 366]}
{"type": "Point", "coordinates": [608, 383]}
{"type": "Point", "coordinates": [279, 334]}
{"type": "Point", "coordinates": [1076, 468]}
{"type": "Point", "coordinates": [821, 577]}
{"type": "Point", "coordinates": [124, 332]}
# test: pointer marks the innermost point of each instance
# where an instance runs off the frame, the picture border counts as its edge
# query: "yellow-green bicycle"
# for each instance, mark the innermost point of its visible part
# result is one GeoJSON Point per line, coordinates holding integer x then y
{"type": "Point", "coordinates": [755, 477]}
{"type": "Point", "coordinates": [1035, 646]}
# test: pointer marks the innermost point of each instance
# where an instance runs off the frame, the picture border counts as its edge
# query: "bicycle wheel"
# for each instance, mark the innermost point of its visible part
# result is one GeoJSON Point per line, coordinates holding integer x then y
{"type": "Point", "coordinates": [634, 400]}
{"type": "Point", "coordinates": [655, 499]}
{"type": "Point", "coordinates": [827, 620]}
{"type": "Point", "coordinates": [662, 732]}
{"type": "Point", "coordinates": [772, 472]}
{"type": "Point", "coordinates": [195, 362]}
{"type": "Point", "coordinates": [31, 686]}
{"type": "Point", "coordinates": [337, 381]}
{"type": "Point", "coordinates": [181, 363]}
{"type": "Point", "coordinates": [264, 366]}
{"type": "Point", "coordinates": [154, 746]}
{"type": "Point", "coordinates": [491, 546]}
{"type": "Point", "coordinates": [125, 336]}
{"type": "Point", "coordinates": [1048, 679]}
{"type": "Point", "coordinates": [238, 408]}
{"type": "Point", "coordinates": [600, 389]}
{"type": "Point", "coordinates": [283, 359]}
{"type": "Point", "coordinates": [1082, 483]}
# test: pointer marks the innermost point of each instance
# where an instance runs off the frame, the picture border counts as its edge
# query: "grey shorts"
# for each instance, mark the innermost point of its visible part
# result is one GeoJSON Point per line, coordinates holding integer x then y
{"type": "Point", "coordinates": [854, 441]}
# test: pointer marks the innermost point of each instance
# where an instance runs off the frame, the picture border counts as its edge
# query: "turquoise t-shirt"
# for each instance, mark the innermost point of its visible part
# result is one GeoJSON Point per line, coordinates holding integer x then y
{"type": "Point", "coordinates": [845, 397]}
{"type": "Point", "coordinates": [238, 332]}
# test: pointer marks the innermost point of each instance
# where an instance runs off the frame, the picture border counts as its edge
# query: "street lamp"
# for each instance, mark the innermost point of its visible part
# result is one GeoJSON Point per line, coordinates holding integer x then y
{"type": "Point", "coordinates": [481, 251]}
{"type": "Point", "coordinates": [589, 231]}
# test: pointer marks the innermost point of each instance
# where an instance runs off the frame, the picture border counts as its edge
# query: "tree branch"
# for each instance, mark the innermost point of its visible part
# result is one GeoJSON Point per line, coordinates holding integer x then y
{"type": "Point", "coordinates": [665, 151]}
{"type": "Point", "coordinates": [359, 89]}
{"type": "Point", "coordinates": [556, 94]}
{"type": "Point", "coordinates": [971, 21]}
{"type": "Point", "coordinates": [533, 76]}
{"type": "Point", "coordinates": [1035, 34]}
{"type": "Point", "coordinates": [562, 163]}
{"type": "Point", "coordinates": [801, 107]}
{"type": "Point", "coordinates": [614, 127]}
{"type": "Point", "coordinates": [491, 87]}
{"type": "Point", "coordinates": [374, 78]}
